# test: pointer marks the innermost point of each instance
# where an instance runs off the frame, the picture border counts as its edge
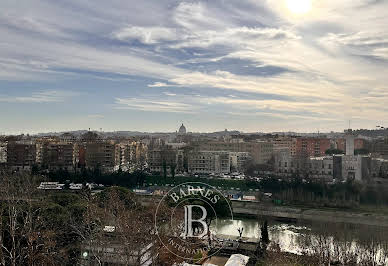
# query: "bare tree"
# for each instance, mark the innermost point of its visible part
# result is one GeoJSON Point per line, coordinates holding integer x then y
{"type": "Point", "coordinates": [24, 237]}
{"type": "Point", "coordinates": [130, 237]}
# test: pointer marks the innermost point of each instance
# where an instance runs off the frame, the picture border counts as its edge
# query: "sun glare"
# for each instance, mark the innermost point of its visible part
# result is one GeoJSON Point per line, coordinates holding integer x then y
{"type": "Point", "coordinates": [299, 6]}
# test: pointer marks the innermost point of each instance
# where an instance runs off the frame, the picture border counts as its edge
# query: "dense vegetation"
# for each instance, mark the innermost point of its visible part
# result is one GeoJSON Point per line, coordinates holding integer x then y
{"type": "Point", "coordinates": [37, 228]}
{"type": "Point", "coordinates": [56, 227]}
{"type": "Point", "coordinates": [51, 228]}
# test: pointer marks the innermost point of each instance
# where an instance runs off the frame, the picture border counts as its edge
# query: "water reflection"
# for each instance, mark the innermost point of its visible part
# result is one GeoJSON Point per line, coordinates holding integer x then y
{"type": "Point", "coordinates": [230, 227]}
{"type": "Point", "coordinates": [304, 237]}
{"type": "Point", "coordinates": [286, 235]}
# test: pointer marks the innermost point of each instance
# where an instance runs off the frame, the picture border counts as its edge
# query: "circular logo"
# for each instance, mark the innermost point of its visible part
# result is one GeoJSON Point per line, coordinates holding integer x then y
{"type": "Point", "coordinates": [186, 220]}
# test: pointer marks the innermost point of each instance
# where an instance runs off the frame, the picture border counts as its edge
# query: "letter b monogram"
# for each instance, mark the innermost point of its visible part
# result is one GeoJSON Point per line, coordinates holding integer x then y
{"type": "Point", "coordinates": [189, 231]}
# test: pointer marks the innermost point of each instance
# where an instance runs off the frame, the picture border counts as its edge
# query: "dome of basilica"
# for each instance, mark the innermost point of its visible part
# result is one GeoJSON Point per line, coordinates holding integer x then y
{"type": "Point", "coordinates": [182, 129]}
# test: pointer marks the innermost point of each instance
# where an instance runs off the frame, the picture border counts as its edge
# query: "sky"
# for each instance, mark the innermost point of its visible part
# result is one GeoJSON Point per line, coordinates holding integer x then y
{"type": "Point", "coordinates": [248, 65]}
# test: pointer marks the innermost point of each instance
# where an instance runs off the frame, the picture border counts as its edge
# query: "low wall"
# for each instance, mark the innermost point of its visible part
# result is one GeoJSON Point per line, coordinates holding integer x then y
{"type": "Point", "coordinates": [338, 216]}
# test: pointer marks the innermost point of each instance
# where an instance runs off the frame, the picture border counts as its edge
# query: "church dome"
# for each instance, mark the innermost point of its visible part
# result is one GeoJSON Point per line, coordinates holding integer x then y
{"type": "Point", "coordinates": [182, 129]}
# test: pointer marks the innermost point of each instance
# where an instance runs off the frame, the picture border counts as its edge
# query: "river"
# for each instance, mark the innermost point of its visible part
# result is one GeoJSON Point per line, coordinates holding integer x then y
{"type": "Point", "coordinates": [305, 236]}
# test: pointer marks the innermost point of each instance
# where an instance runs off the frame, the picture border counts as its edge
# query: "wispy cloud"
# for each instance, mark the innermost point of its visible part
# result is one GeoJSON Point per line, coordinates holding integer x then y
{"type": "Point", "coordinates": [169, 93]}
{"type": "Point", "coordinates": [153, 105]}
{"type": "Point", "coordinates": [147, 35]}
{"type": "Point", "coordinates": [159, 84]}
{"type": "Point", "coordinates": [365, 43]}
{"type": "Point", "coordinates": [320, 65]}
{"type": "Point", "coordinates": [50, 96]}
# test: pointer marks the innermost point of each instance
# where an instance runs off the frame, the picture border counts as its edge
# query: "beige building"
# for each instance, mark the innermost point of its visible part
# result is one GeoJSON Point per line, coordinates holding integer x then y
{"type": "Point", "coordinates": [260, 151]}
{"type": "Point", "coordinates": [284, 143]}
{"type": "Point", "coordinates": [209, 162]}
{"type": "Point", "coordinates": [130, 154]}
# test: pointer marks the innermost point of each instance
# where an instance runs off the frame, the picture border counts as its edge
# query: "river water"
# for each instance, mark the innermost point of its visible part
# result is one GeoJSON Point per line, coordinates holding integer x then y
{"type": "Point", "coordinates": [302, 237]}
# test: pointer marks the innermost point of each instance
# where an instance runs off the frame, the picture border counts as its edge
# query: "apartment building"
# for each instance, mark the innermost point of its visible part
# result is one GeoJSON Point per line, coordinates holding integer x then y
{"type": "Point", "coordinates": [321, 167]}
{"type": "Point", "coordinates": [164, 157]}
{"type": "Point", "coordinates": [358, 143]}
{"type": "Point", "coordinates": [380, 147]}
{"type": "Point", "coordinates": [130, 154]}
{"type": "Point", "coordinates": [314, 167]}
{"type": "Point", "coordinates": [209, 162]}
{"type": "Point", "coordinates": [67, 138]}
{"type": "Point", "coordinates": [238, 161]}
{"type": "Point", "coordinates": [99, 155]}
{"type": "Point", "coordinates": [284, 143]}
{"type": "Point", "coordinates": [312, 147]}
{"type": "Point", "coordinates": [379, 167]}
{"type": "Point", "coordinates": [57, 156]}
{"type": "Point", "coordinates": [260, 151]}
{"type": "Point", "coordinates": [21, 155]}
{"type": "Point", "coordinates": [125, 154]}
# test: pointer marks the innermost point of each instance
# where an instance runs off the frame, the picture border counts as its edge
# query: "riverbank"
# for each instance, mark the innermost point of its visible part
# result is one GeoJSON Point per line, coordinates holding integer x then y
{"type": "Point", "coordinates": [291, 213]}
{"type": "Point", "coordinates": [278, 258]}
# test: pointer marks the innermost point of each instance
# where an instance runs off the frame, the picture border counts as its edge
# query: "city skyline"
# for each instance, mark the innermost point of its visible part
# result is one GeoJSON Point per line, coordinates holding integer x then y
{"type": "Point", "coordinates": [231, 131]}
{"type": "Point", "coordinates": [253, 66]}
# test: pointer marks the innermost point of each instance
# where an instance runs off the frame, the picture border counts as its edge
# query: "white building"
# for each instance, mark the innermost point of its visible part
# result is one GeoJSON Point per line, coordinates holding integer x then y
{"type": "Point", "coordinates": [351, 164]}
{"type": "Point", "coordinates": [349, 143]}
{"type": "Point", "coordinates": [237, 260]}
{"type": "Point", "coordinates": [3, 152]}
{"type": "Point", "coordinates": [51, 186]}
{"type": "Point", "coordinates": [73, 186]}
{"type": "Point", "coordinates": [129, 155]}
{"type": "Point", "coordinates": [176, 145]}
{"type": "Point", "coordinates": [352, 167]}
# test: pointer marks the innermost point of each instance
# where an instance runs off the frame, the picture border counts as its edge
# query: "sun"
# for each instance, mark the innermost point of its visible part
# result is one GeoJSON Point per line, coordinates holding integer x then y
{"type": "Point", "coordinates": [299, 6]}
